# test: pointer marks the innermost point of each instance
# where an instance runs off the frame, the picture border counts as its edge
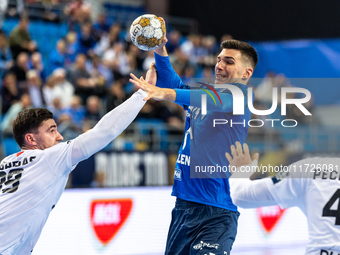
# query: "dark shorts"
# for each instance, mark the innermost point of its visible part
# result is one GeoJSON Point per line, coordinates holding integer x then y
{"type": "Point", "coordinates": [201, 229]}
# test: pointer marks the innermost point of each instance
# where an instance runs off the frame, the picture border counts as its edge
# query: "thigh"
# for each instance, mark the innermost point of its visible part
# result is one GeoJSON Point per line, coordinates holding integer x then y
{"type": "Point", "coordinates": [177, 242]}
{"type": "Point", "coordinates": [217, 233]}
{"type": "Point", "coordinates": [201, 230]}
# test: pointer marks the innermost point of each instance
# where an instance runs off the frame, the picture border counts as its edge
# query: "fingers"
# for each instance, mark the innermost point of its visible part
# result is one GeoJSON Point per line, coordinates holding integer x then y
{"type": "Point", "coordinates": [246, 150]}
{"type": "Point", "coordinates": [227, 155]}
{"type": "Point", "coordinates": [239, 148]}
{"type": "Point", "coordinates": [233, 151]}
{"type": "Point", "coordinates": [147, 98]}
{"type": "Point", "coordinates": [137, 83]}
{"type": "Point", "coordinates": [256, 156]}
{"type": "Point", "coordinates": [133, 76]}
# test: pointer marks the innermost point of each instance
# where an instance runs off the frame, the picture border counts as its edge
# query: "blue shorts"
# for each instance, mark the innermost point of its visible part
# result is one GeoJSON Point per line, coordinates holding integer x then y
{"type": "Point", "coordinates": [198, 229]}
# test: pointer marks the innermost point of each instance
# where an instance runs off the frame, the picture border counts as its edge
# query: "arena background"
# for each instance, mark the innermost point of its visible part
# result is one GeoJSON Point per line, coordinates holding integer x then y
{"type": "Point", "coordinates": [118, 201]}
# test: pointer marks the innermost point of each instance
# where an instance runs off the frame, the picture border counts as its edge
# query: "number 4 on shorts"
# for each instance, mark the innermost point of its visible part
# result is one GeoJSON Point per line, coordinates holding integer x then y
{"type": "Point", "coordinates": [327, 212]}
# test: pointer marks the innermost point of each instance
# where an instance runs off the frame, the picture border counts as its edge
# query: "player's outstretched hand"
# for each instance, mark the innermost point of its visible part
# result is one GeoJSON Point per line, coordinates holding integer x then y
{"type": "Point", "coordinates": [240, 157]}
{"type": "Point", "coordinates": [161, 50]}
{"type": "Point", "coordinates": [153, 91]}
{"type": "Point", "coordinates": [151, 75]}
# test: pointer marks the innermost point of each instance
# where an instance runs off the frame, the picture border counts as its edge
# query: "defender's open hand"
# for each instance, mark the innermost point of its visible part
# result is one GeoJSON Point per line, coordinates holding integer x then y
{"type": "Point", "coordinates": [153, 91]}
{"type": "Point", "coordinates": [239, 157]}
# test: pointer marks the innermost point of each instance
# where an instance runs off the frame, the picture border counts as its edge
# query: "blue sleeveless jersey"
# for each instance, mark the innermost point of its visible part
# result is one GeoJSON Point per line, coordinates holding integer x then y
{"type": "Point", "coordinates": [204, 146]}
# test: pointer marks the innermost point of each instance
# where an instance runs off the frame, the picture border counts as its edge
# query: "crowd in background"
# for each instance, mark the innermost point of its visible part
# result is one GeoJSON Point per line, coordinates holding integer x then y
{"type": "Point", "coordinates": [89, 71]}
{"type": "Point", "coordinates": [90, 68]}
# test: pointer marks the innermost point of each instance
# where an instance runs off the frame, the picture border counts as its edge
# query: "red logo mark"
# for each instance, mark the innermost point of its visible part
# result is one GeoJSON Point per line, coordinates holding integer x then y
{"type": "Point", "coordinates": [269, 216]}
{"type": "Point", "coordinates": [19, 153]}
{"type": "Point", "coordinates": [108, 216]}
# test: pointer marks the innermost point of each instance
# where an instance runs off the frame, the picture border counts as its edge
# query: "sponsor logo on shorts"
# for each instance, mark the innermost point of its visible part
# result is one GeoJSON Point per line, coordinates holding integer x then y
{"type": "Point", "coordinates": [202, 245]}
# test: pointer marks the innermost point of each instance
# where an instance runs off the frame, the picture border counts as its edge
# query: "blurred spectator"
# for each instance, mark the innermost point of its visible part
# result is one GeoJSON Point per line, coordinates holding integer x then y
{"type": "Point", "coordinates": [84, 84]}
{"type": "Point", "coordinates": [193, 49]}
{"type": "Point", "coordinates": [34, 87]}
{"type": "Point", "coordinates": [57, 56]}
{"type": "Point", "coordinates": [117, 59]}
{"type": "Point", "coordinates": [174, 38]}
{"type": "Point", "coordinates": [148, 60]}
{"type": "Point", "coordinates": [71, 119]}
{"type": "Point", "coordinates": [173, 114]}
{"type": "Point", "coordinates": [6, 125]}
{"type": "Point", "coordinates": [86, 41]}
{"type": "Point", "coordinates": [71, 48]}
{"type": "Point", "coordinates": [20, 68]}
{"type": "Point", "coordinates": [101, 26]}
{"type": "Point", "coordinates": [208, 74]}
{"type": "Point", "coordinates": [92, 115]}
{"type": "Point", "coordinates": [3, 9]}
{"type": "Point", "coordinates": [49, 9]}
{"type": "Point", "coordinates": [98, 70]}
{"type": "Point", "coordinates": [10, 92]}
{"type": "Point", "coordinates": [56, 108]}
{"type": "Point", "coordinates": [264, 91]}
{"type": "Point", "coordinates": [189, 73]}
{"type": "Point", "coordinates": [38, 65]}
{"type": "Point", "coordinates": [116, 95]}
{"type": "Point", "coordinates": [5, 54]}
{"type": "Point", "coordinates": [78, 12]}
{"type": "Point", "coordinates": [211, 50]}
{"type": "Point", "coordinates": [20, 39]}
{"type": "Point", "coordinates": [179, 60]}
{"type": "Point", "coordinates": [63, 89]}
{"type": "Point", "coordinates": [48, 91]}
{"type": "Point", "coordinates": [108, 40]}
{"type": "Point", "coordinates": [135, 58]}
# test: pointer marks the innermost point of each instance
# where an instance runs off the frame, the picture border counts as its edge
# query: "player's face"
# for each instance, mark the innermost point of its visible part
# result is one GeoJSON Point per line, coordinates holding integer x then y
{"type": "Point", "coordinates": [47, 135]}
{"type": "Point", "coordinates": [231, 67]}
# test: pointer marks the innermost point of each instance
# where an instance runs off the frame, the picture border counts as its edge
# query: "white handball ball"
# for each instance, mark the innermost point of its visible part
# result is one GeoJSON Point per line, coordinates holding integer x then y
{"type": "Point", "coordinates": [147, 32]}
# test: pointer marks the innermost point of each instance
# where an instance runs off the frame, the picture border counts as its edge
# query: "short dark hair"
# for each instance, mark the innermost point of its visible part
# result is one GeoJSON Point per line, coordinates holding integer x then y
{"type": "Point", "coordinates": [28, 121]}
{"type": "Point", "coordinates": [245, 48]}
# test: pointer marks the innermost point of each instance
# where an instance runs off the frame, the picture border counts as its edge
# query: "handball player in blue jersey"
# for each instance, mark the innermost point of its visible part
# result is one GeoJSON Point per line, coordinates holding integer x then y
{"type": "Point", "coordinates": [204, 220]}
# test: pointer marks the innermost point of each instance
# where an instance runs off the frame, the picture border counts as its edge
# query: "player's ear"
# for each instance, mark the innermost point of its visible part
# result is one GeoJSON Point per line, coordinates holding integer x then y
{"type": "Point", "coordinates": [30, 140]}
{"type": "Point", "coordinates": [248, 73]}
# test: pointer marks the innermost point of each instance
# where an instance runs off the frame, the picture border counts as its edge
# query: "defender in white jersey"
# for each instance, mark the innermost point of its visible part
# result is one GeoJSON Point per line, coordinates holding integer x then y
{"type": "Point", "coordinates": [32, 180]}
{"type": "Point", "coordinates": [311, 184]}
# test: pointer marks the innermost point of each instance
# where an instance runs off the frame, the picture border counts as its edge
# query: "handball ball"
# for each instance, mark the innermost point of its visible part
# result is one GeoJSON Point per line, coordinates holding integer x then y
{"type": "Point", "coordinates": [147, 32]}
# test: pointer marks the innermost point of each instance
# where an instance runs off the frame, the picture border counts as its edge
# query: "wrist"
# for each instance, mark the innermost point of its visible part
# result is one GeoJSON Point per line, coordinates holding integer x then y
{"type": "Point", "coordinates": [170, 94]}
{"type": "Point", "coordinates": [161, 51]}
